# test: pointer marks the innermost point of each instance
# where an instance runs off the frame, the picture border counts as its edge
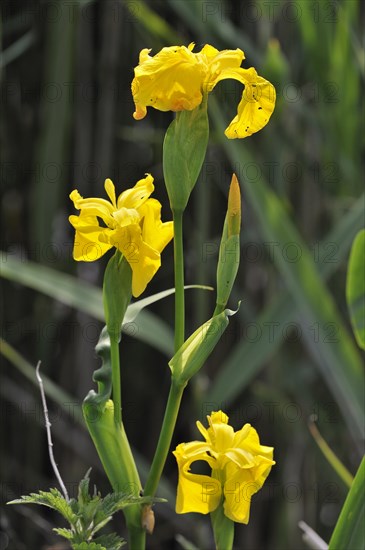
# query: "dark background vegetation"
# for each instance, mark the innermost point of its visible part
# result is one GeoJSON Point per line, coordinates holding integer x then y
{"type": "Point", "coordinates": [67, 123]}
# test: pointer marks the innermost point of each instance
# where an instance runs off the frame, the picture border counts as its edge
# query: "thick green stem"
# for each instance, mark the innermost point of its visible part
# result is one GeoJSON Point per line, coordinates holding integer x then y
{"type": "Point", "coordinates": [114, 353]}
{"type": "Point", "coordinates": [164, 442]}
{"type": "Point", "coordinates": [136, 537]}
{"type": "Point", "coordinates": [179, 280]}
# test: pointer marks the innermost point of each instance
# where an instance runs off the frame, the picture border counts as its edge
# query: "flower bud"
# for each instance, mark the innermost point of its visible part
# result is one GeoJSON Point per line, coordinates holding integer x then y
{"type": "Point", "coordinates": [229, 251]}
{"type": "Point", "coordinates": [192, 355]}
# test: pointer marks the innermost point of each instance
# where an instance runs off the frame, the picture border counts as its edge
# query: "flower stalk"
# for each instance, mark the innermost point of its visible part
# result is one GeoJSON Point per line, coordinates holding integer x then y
{"type": "Point", "coordinates": [179, 280]}
{"type": "Point", "coordinates": [166, 433]}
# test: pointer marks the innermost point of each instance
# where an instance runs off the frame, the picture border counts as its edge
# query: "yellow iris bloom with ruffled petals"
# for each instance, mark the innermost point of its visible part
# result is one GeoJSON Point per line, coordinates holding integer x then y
{"type": "Point", "coordinates": [240, 466]}
{"type": "Point", "coordinates": [131, 223]}
{"type": "Point", "coordinates": [176, 79]}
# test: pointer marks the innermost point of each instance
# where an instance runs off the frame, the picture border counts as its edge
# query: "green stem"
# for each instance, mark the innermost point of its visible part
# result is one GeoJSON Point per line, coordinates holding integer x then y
{"type": "Point", "coordinates": [164, 442]}
{"type": "Point", "coordinates": [136, 537]}
{"type": "Point", "coordinates": [219, 308]}
{"type": "Point", "coordinates": [179, 280]}
{"type": "Point", "coordinates": [176, 390]}
{"type": "Point", "coordinates": [114, 354]}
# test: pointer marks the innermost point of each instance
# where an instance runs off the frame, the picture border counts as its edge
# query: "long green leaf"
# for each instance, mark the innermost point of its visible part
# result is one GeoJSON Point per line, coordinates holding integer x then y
{"type": "Point", "coordinates": [323, 331]}
{"type": "Point", "coordinates": [355, 287]}
{"type": "Point", "coordinates": [85, 297]}
{"type": "Point", "coordinates": [349, 530]}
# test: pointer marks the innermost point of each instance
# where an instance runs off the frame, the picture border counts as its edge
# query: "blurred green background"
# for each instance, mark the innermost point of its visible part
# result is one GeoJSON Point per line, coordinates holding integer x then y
{"type": "Point", "coordinates": [66, 123]}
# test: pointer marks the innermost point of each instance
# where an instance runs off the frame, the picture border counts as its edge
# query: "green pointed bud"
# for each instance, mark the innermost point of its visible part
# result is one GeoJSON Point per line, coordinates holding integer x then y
{"type": "Point", "coordinates": [192, 355]}
{"type": "Point", "coordinates": [223, 529]}
{"type": "Point", "coordinates": [229, 251]}
{"type": "Point", "coordinates": [117, 293]}
{"type": "Point", "coordinates": [184, 151]}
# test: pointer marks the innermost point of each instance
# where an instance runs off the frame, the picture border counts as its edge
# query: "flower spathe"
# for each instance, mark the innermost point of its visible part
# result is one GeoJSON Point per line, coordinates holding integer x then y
{"type": "Point", "coordinates": [176, 79]}
{"type": "Point", "coordinates": [131, 223]}
{"type": "Point", "coordinates": [239, 464]}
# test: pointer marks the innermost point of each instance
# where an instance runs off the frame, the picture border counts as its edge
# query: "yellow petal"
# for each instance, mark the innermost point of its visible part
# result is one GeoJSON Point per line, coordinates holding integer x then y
{"type": "Point", "coordinates": [238, 491]}
{"type": "Point", "coordinates": [135, 197]}
{"type": "Point", "coordinates": [144, 269]}
{"type": "Point", "coordinates": [155, 233]}
{"type": "Point", "coordinates": [240, 485]}
{"type": "Point", "coordinates": [126, 216]}
{"type": "Point", "coordinates": [221, 436]}
{"type": "Point", "coordinates": [218, 417]}
{"type": "Point", "coordinates": [87, 245]}
{"type": "Point", "coordinates": [195, 492]}
{"type": "Point", "coordinates": [143, 259]}
{"type": "Point", "coordinates": [75, 197]}
{"type": "Point", "coordinates": [110, 189]}
{"type": "Point", "coordinates": [218, 62]}
{"type": "Point", "coordinates": [256, 105]}
{"type": "Point", "coordinates": [169, 81]}
{"type": "Point", "coordinates": [96, 207]}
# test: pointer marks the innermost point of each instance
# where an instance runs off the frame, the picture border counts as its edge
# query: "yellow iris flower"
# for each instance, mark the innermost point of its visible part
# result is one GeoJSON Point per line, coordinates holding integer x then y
{"type": "Point", "coordinates": [240, 466]}
{"type": "Point", "coordinates": [131, 223]}
{"type": "Point", "coordinates": [176, 79]}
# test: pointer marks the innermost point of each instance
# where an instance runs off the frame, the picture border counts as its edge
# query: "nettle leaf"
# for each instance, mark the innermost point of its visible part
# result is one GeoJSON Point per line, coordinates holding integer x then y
{"type": "Point", "coordinates": [86, 515]}
{"type": "Point", "coordinates": [110, 541]}
{"type": "Point", "coordinates": [52, 499]}
{"type": "Point", "coordinates": [88, 546]}
{"type": "Point", "coordinates": [114, 502]}
{"type": "Point", "coordinates": [66, 533]}
{"type": "Point", "coordinates": [83, 492]}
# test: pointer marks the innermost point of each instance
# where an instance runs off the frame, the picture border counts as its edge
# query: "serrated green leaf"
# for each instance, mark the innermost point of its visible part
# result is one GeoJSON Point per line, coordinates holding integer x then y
{"type": "Point", "coordinates": [52, 499]}
{"type": "Point", "coordinates": [88, 546]}
{"type": "Point", "coordinates": [63, 532]}
{"type": "Point", "coordinates": [114, 502]}
{"type": "Point", "coordinates": [83, 492]}
{"type": "Point", "coordinates": [111, 541]}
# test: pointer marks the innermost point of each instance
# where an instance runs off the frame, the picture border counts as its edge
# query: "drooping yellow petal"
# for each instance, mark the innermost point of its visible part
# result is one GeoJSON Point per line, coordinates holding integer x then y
{"type": "Point", "coordinates": [241, 484]}
{"type": "Point", "coordinates": [238, 491]}
{"type": "Point", "coordinates": [143, 259]}
{"type": "Point", "coordinates": [256, 105]}
{"type": "Point", "coordinates": [155, 233]}
{"type": "Point", "coordinates": [195, 492]}
{"type": "Point", "coordinates": [149, 261]}
{"type": "Point", "coordinates": [169, 81]}
{"type": "Point", "coordinates": [87, 245]}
